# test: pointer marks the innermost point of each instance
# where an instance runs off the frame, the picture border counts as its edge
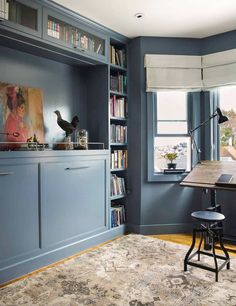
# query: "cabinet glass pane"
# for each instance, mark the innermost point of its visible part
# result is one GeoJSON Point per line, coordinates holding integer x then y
{"type": "Point", "coordinates": [74, 36]}
{"type": "Point", "coordinates": [23, 15]}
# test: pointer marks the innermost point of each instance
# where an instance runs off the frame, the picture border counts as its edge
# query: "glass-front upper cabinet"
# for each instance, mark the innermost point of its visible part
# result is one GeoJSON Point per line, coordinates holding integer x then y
{"type": "Point", "coordinates": [24, 16]}
{"type": "Point", "coordinates": [69, 33]}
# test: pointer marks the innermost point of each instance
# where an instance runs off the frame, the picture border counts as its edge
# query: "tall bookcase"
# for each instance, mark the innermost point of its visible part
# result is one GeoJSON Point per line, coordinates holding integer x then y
{"type": "Point", "coordinates": [118, 133]}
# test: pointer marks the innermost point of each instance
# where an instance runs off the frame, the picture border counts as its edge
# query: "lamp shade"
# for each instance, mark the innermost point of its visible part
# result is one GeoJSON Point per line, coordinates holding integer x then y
{"type": "Point", "coordinates": [221, 118]}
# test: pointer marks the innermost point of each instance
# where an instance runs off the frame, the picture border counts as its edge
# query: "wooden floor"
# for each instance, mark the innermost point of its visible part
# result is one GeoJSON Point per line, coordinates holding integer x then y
{"type": "Point", "coordinates": [186, 239]}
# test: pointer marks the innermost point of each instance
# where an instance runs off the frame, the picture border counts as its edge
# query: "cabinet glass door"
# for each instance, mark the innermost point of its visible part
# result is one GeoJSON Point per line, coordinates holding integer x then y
{"type": "Point", "coordinates": [75, 37]}
{"type": "Point", "coordinates": [23, 15]}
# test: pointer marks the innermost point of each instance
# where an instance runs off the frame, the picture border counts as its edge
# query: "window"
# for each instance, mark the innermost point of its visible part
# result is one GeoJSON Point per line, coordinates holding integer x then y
{"type": "Point", "coordinates": [227, 103]}
{"type": "Point", "coordinates": [169, 117]}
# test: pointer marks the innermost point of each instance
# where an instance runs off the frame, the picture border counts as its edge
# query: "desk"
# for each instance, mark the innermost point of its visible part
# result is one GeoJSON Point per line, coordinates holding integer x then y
{"type": "Point", "coordinates": [205, 174]}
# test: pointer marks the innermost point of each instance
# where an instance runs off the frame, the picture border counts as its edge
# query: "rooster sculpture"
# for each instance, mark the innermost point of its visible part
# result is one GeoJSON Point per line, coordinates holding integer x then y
{"type": "Point", "coordinates": [68, 127]}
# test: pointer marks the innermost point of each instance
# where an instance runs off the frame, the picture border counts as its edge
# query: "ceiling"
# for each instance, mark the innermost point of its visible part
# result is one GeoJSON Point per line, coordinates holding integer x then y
{"type": "Point", "coordinates": [166, 18]}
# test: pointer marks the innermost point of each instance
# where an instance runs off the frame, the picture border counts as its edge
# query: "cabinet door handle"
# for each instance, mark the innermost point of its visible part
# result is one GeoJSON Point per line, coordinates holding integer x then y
{"type": "Point", "coordinates": [6, 173]}
{"type": "Point", "coordinates": [77, 168]}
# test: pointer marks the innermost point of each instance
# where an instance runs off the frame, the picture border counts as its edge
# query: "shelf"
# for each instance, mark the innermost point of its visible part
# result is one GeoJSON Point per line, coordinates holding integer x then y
{"type": "Point", "coordinates": [118, 169]}
{"type": "Point", "coordinates": [116, 67]}
{"type": "Point", "coordinates": [118, 144]}
{"type": "Point", "coordinates": [120, 229]}
{"type": "Point", "coordinates": [118, 119]}
{"type": "Point", "coordinates": [120, 94]}
{"type": "Point", "coordinates": [120, 196]}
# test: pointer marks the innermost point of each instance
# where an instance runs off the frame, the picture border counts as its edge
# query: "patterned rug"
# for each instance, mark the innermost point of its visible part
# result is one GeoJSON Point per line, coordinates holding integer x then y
{"type": "Point", "coordinates": [133, 270]}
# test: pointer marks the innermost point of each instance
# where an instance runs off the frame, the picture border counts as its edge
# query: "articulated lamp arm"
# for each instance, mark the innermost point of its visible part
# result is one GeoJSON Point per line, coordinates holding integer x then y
{"type": "Point", "coordinates": [221, 119]}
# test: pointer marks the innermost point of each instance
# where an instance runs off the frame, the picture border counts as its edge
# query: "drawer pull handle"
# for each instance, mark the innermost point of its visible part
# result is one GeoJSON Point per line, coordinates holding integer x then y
{"type": "Point", "coordinates": [77, 168]}
{"type": "Point", "coordinates": [6, 173]}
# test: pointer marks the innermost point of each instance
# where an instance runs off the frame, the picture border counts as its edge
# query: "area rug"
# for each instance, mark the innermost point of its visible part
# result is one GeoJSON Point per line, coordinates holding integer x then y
{"type": "Point", "coordinates": [133, 270]}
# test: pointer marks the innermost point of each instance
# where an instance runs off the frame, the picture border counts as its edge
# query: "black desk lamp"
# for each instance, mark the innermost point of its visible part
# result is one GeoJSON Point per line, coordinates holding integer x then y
{"type": "Point", "coordinates": [221, 119]}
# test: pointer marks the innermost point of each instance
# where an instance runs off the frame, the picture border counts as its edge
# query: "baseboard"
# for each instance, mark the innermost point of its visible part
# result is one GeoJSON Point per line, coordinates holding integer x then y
{"type": "Point", "coordinates": [156, 229]}
{"type": "Point", "coordinates": [45, 259]}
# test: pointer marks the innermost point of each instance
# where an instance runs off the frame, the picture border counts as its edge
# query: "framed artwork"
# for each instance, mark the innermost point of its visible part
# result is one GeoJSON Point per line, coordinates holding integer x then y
{"type": "Point", "coordinates": [21, 114]}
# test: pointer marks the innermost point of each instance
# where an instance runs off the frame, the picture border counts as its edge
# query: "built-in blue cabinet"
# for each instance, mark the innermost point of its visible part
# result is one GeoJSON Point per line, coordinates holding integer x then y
{"type": "Point", "coordinates": [53, 204]}
{"type": "Point", "coordinates": [24, 16]}
{"type": "Point", "coordinates": [40, 23]}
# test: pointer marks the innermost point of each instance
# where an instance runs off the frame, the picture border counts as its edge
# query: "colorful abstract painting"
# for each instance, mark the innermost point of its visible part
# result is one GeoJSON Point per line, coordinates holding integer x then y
{"type": "Point", "coordinates": [21, 113]}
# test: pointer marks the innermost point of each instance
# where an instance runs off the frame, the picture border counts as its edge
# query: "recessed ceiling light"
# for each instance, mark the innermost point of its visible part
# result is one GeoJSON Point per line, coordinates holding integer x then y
{"type": "Point", "coordinates": [139, 15]}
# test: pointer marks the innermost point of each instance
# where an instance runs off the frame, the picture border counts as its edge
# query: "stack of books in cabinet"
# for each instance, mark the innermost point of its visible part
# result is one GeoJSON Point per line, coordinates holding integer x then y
{"type": "Point", "coordinates": [74, 36]}
{"type": "Point", "coordinates": [118, 109]}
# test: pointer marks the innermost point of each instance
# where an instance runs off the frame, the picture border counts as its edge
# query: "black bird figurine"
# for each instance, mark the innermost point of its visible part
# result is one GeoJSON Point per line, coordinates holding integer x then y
{"type": "Point", "coordinates": [68, 127]}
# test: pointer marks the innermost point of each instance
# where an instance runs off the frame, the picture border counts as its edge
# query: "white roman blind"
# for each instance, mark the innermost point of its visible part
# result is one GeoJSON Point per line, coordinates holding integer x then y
{"type": "Point", "coordinates": [219, 69]}
{"type": "Point", "coordinates": [173, 72]}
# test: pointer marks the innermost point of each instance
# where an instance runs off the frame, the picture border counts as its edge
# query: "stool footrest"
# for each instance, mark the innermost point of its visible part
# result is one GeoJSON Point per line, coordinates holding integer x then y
{"type": "Point", "coordinates": [190, 263]}
{"type": "Point", "coordinates": [210, 254]}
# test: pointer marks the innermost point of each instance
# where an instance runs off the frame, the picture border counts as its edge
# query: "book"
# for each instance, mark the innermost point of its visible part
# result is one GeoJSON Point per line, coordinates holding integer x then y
{"type": "Point", "coordinates": [224, 180]}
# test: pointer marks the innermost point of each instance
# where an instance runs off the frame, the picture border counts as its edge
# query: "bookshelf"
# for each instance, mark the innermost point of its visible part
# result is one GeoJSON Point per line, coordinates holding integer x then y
{"type": "Point", "coordinates": [118, 132]}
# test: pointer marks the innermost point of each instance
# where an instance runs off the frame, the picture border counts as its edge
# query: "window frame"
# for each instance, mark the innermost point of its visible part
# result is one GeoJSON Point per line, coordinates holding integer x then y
{"type": "Point", "coordinates": [153, 176]}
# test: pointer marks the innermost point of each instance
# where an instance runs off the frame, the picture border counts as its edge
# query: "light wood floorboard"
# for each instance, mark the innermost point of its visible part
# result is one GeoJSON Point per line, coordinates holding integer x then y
{"type": "Point", "coordinates": [186, 239]}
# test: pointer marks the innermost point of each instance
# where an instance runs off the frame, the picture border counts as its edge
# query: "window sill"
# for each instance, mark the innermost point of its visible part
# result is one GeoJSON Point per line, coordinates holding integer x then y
{"type": "Point", "coordinates": [168, 178]}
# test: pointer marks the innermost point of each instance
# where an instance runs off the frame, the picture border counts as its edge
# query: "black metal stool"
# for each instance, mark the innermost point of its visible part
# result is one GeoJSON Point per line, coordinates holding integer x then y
{"type": "Point", "coordinates": [209, 221]}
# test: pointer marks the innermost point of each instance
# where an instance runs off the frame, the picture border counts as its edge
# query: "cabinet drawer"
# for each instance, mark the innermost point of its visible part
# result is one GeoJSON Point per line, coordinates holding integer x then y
{"type": "Point", "coordinates": [73, 200]}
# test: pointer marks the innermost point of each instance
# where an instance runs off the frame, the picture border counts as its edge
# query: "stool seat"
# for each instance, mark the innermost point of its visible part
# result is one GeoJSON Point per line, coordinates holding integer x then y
{"type": "Point", "coordinates": [208, 216]}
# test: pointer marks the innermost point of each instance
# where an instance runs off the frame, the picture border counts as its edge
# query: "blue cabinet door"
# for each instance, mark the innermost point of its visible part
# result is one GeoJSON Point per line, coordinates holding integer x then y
{"type": "Point", "coordinates": [73, 200]}
{"type": "Point", "coordinates": [19, 212]}
{"type": "Point", "coordinates": [24, 16]}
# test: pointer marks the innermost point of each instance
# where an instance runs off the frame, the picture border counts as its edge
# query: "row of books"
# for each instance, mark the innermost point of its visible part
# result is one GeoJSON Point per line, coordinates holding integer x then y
{"type": "Point", "coordinates": [118, 107]}
{"type": "Point", "coordinates": [117, 215]}
{"type": "Point", "coordinates": [72, 36]}
{"type": "Point", "coordinates": [118, 133]}
{"type": "Point", "coordinates": [119, 159]}
{"type": "Point", "coordinates": [117, 185]}
{"type": "Point", "coordinates": [117, 56]}
{"type": "Point", "coordinates": [118, 83]}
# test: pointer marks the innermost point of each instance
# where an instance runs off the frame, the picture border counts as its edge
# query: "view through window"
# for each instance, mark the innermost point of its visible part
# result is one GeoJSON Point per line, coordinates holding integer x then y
{"type": "Point", "coordinates": [171, 134]}
{"type": "Point", "coordinates": [227, 102]}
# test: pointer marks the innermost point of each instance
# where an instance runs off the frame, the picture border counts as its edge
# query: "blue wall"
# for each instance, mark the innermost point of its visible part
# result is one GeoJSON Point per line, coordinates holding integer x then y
{"type": "Point", "coordinates": [164, 207]}
{"type": "Point", "coordinates": [63, 86]}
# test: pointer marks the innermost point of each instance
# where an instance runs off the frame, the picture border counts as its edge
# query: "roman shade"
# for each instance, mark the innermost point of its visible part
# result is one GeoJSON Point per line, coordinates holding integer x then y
{"type": "Point", "coordinates": [189, 72]}
{"type": "Point", "coordinates": [173, 72]}
{"type": "Point", "coordinates": [219, 69]}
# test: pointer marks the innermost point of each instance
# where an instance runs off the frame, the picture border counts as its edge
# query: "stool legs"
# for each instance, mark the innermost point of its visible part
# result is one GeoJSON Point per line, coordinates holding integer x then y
{"type": "Point", "coordinates": [214, 256]}
{"type": "Point", "coordinates": [225, 252]}
{"type": "Point", "coordinates": [215, 236]}
{"type": "Point", "coordinates": [199, 247]}
{"type": "Point", "coordinates": [190, 250]}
